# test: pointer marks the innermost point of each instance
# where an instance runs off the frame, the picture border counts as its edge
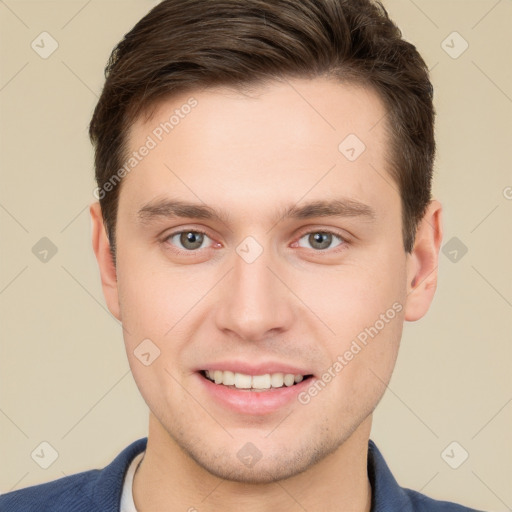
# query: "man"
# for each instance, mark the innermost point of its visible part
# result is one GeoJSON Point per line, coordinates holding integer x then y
{"type": "Point", "coordinates": [264, 227]}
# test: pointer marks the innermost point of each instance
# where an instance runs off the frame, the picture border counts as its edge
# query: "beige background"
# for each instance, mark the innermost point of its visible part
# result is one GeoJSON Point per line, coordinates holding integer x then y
{"type": "Point", "coordinates": [64, 374]}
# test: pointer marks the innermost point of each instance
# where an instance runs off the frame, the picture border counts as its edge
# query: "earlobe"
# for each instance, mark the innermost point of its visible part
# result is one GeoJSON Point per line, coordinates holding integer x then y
{"type": "Point", "coordinates": [422, 263]}
{"type": "Point", "coordinates": [101, 247]}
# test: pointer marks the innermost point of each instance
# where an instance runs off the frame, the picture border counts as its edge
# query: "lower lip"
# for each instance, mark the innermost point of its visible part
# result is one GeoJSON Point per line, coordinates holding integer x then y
{"type": "Point", "coordinates": [253, 402]}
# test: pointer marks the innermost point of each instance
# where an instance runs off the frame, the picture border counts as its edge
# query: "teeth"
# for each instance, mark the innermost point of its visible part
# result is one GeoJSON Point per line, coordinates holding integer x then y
{"type": "Point", "coordinates": [289, 379]}
{"type": "Point", "coordinates": [228, 378]}
{"type": "Point", "coordinates": [243, 381]}
{"type": "Point", "coordinates": [261, 381]}
{"type": "Point", "coordinates": [277, 380]}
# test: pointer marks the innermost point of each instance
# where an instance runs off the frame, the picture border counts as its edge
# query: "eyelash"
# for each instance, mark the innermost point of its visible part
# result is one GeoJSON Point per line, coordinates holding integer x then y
{"type": "Point", "coordinates": [340, 246]}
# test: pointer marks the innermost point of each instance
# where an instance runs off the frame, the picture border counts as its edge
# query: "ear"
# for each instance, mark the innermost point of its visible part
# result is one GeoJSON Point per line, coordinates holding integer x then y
{"type": "Point", "coordinates": [422, 263]}
{"type": "Point", "coordinates": [101, 246]}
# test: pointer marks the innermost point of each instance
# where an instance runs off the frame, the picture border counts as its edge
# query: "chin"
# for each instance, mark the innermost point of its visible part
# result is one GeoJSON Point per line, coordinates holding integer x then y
{"type": "Point", "coordinates": [250, 466]}
{"type": "Point", "coordinates": [262, 472]}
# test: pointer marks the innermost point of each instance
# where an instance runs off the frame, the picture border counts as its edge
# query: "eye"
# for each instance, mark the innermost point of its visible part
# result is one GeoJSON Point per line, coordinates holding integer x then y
{"type": "Point", "coordinates": [320, 240]}
{"type": "Point", "coordinates": [192, 240]}
{"type": "Point", "coordinates": [188, 240]}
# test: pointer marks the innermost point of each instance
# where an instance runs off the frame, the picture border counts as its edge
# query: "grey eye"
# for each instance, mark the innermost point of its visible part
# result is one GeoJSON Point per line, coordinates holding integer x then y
{"type": "Point", "coordinates": [189, 240]}
{"type": "Point", "coordinates": [320, 240]}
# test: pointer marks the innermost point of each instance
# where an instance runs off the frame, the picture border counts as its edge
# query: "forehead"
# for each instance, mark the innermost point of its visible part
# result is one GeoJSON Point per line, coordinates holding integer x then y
{"type": "Point", "coordinates": [284, 140]}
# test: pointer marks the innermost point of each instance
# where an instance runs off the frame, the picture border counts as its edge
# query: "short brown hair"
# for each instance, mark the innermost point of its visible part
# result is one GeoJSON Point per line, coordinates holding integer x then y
{"type": "Point", "coordinates": [185, 45]}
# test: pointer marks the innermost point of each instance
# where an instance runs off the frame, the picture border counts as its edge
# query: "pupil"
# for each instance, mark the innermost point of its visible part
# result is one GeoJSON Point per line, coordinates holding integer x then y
{"type": "Point", "coordinates": [317, 239]}
{"type": "Point", "coordinates": [191, 240]}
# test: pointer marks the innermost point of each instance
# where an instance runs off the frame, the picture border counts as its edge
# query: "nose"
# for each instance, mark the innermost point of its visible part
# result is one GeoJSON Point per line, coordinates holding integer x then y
{"type": "Point", "coordinates": [255, 303]}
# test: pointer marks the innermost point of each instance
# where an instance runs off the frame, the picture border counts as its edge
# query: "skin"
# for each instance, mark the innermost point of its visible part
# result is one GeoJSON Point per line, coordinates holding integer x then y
{"type": "Point", "coordinates": [252, 155]}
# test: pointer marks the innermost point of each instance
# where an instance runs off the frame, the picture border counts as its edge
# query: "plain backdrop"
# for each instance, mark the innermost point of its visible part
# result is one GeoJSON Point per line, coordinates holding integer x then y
{"type": "Point", "coordinates": [64, 376]}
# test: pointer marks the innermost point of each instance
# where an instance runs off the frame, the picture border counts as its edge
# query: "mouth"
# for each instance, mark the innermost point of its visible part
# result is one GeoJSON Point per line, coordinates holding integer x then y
{"type": "Point", "coordinates": [253, 390]}
{"type": "Point", "coordinates": [267, 382]}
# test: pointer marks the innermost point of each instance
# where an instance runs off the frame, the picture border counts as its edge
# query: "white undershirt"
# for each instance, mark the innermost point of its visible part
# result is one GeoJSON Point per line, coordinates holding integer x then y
{"type": "Point", "coordinates": [127, 504]}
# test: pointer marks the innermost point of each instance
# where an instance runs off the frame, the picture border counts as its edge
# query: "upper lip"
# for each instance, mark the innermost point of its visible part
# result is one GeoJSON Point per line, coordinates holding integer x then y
{"type": "Point", "coordinates": [260, 368]}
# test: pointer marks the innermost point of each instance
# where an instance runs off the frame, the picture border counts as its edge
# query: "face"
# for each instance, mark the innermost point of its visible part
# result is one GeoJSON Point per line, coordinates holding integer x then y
{"type": "Point", "coordinates": [293, 266]}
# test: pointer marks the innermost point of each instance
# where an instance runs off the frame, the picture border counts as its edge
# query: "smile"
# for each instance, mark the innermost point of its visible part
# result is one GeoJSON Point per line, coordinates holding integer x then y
{"type": "Point", "coordinates": [244, 381]}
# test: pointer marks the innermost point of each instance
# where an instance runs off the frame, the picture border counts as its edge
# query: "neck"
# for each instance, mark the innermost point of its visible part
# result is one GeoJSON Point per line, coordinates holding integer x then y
{"type": "Point", "coordinates": [168, 479]}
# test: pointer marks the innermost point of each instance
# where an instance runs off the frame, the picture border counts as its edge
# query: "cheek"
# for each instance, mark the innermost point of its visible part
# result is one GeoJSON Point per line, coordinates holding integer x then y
{"type": "Point", "coordinates": [152, 298]}
{"type": "Point", "coordinates": [158, 304]}
{"type": "Point", "coordinates": [364, 306]}
{"type": "Point", "coordinates": [355, 297]}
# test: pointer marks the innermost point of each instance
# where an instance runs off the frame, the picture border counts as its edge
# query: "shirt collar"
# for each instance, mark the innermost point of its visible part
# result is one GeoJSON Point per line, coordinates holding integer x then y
{"type": "Point", "coordinates": [386, 493]}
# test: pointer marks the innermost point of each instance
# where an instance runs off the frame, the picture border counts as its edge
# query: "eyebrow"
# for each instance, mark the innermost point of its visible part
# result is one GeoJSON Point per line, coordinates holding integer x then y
{"type": "Point", "coordinates": [174, 208]}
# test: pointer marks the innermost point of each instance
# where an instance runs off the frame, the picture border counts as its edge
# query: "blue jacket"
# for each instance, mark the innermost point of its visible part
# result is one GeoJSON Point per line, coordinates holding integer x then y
{"type": "Point", "coordinates": [100, 490]}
